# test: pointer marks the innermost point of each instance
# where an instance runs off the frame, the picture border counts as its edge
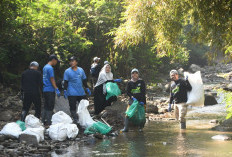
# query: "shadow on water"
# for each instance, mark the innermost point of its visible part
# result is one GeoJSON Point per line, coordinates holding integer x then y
{"type": "Point", "coordinates": [158, 139]}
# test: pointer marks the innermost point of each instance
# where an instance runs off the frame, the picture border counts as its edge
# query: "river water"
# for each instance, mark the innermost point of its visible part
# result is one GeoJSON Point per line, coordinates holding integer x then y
{"type": "Point", "coordinates": [158, 139]}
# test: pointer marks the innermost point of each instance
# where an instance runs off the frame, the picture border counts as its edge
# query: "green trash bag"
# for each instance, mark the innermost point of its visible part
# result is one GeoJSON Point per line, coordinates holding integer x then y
{"type": "Point", "coordinates": [136, 114]}
{"type": "Point", "coordinates": [98, 127]}
{"type": "Point", "coordinates": [112, 89]}
{"type": "Point", "coordinates": [21, 124]}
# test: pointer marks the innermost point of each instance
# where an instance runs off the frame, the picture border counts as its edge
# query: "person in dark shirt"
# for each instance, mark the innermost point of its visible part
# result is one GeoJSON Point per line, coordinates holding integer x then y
{"type": "Point", "coordinates": [95, 70]}
{"type": "Point", "coordinates": [178, 97]}
{"type": "Point", "coordinates": [31, 86]}
{"type": "Point", "coordinates": [136, 90]}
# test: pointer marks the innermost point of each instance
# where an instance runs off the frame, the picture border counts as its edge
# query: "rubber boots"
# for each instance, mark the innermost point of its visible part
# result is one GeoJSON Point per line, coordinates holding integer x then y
{"type": "Point", "coordinates": [23, 115]}
{"type": "Point", "coordinates": [182, 125]}
{"type": "Point", "coordinates": [125, 129]}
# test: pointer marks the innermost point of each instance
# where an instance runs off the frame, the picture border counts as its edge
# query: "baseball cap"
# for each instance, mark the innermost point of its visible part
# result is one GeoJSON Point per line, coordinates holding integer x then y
{"type": "Point", "coordinates": [73, 58]}
{"type": "Point", "coordinates": [53, 57]}
{"type": "Point", "coordinates": [96, 58]}
{"type": "Point", "coordinates": [134, 70]}
{"type": "Point", "coordinates": [34, 64]}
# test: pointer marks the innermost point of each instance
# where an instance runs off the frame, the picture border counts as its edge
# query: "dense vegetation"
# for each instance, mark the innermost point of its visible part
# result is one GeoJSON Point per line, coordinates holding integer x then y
{"type": "Point", "coordinates": [147, 34]}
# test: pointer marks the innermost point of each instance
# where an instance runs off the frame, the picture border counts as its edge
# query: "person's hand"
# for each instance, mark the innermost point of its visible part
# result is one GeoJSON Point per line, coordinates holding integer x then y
{"type": "Point", "coordinates": [65, 94]}
{"type": "Point", "coordinates": [118, 80]}
{"type": "Point", "coordinates": [88, 91]}
{"type": "Point", "coordinates": [57, 92]}
{"type": "Point", "coordinates": [141, 103]}
{"type": "Point", "coordinates": [134, 99]}
{"type": "Point", "coordinates": [169, 107]}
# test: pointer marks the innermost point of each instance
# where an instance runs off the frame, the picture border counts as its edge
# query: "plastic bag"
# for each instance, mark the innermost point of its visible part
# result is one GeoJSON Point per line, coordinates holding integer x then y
{"type": "Point", "coordinates": [58, 132]}
{"type": "Point", "coordinates": [12, 129]}
{"type": "Point", "coordinates": [61, 117]}
{"type": "Point", "coordinates": [72, 130]}
{"type": "Point", "coordinates": [32, 122]}
{"type": "Point", "coordinates": [85, 119]}
{"type": "Point", "coordinates": [98, 127]}
{"type": "Point", "coordinates": [196, 96]}
{"type": "Point", "coordinates": [136, 114]}
{"type": "Point", "coordinates": [38, 132]}
{"type": "Point", "coordinates": [21, 124]}
{"type": "Point", "coordinates": [112, 89]}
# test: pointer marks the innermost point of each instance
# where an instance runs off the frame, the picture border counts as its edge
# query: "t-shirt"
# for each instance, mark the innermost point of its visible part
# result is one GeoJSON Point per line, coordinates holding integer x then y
{"type": "Point", "coordinates": [31, 81]}
{"type": "Point", "coordinates": [137, 90]}
{"type": "Point", "coordinates": [48, 72]}
{"type": "Point", "coordinates": [75, 84]}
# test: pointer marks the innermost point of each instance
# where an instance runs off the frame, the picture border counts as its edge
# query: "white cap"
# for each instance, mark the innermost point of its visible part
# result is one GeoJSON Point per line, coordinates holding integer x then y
{"type": "Point", "coordinates": [34, 64]}
{"type": "Point", "coordinates": [134, 70]}
{"type": "Point", "coordinates": [172, 72]}
{"type": "Point", "coordinates": [96, 58]}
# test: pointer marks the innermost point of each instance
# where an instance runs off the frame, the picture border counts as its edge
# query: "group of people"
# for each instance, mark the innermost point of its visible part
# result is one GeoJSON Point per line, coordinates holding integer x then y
{"type": "Point", "coordinates": [75, 87]}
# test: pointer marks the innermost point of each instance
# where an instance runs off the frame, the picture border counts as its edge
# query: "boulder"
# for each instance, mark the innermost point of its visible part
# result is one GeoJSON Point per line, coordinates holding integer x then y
{"type": "Point", "coordinates": [151, 108]}
{"type": "Point", "coordinates": [210, 100]}
{"type": "Point", "coordinates": [195, 68]}
{"type": "Point", "coordinates": [29, 139]}
{"type": "Point", "coordinates": [6, 116]}
{"type": "Point", "coordinates": [224, 126]}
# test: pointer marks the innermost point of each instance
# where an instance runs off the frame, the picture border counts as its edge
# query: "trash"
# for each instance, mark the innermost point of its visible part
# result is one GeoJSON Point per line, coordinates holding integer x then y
{"type": "Point", "coordinates": [221, 137]}
{"type": "Point", "coordinates": [98, 127]}
{"type": "Point", "coordinates": [32, 122]}
{"type": "Point", "coordinates": [112, 89]}
{"type": "Point", "coordinates": [21, 124]}
{"type": "Point", "coordinates": [12, 129]}
{"type": "Point", "coordinates": [85, 119]}
{"type": "Point", "coordinates": [136, 114]}
{"type": "Point", "coordinates": [61, 117]}
{"type": "Point", "coordinates": [196, 95]}
{"type": "Point", "coordinates": [38, 132]}
{"type": "Point", "coordinates": [60, 131]}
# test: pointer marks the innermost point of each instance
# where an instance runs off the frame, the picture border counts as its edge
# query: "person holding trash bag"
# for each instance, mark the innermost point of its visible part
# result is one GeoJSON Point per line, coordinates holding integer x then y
{"type": "Point", "coordinates": [31, 88]}
{"type": "Point", "coordinates": [136, 90]}
{"type": "Point", "coordinates": [49, 89]}
{"type": "Point", "coordinates": [100, 92]}
{"type": "Point", "coordinates": [74, 79]}
{"type": "Point", "coordinates": [178, 96]}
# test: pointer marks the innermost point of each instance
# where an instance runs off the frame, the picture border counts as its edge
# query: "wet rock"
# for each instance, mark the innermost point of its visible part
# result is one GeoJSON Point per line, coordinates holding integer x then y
{"type": "Point", "coordinates": [1, 147]}
{"type": "Point", "coordinates": [210, 100]}
{"type": "Point", "coordinates": [163, 110]}
{"type": "Point", "coordinates": [2, 138]}
{"type": "Point", "coordinates": [98, 136]}
{"type": "Point", "coordinates": [221, 137]}
{"type": "Point", "coordinates": [29, 139]}
{"type": "Point", "coordinates": [6, 115]}
{"type": "Point", "coordinates": [224, 126]}
{"type": "Point", "coordinates": [151, 108]}
{"type": "Point", "coordinates": [195, 68]}
{"type": "Point", "coordinates": [213, 121]}
{"type": "Point", "coordinates": [60, 151]}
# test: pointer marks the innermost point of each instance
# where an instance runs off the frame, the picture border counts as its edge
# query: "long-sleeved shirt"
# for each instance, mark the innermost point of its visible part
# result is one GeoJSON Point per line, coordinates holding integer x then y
{"type": "Point", "coordinates": [178, 92]}
{"type": "Point", "coordinates": [137, 90]}
{"type": "Point", "coordinates": [31, 81]}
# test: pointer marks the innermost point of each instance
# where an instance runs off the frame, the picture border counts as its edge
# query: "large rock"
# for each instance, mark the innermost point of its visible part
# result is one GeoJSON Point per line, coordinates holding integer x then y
{"type": "Point", "coordinates": [210, 100]}
{"type": "Point", "coordinates": [151, 107]}
{"type": "Point", "coordinates": [29, 139]}
{"type": "Point", "coordinates": [224, 126]}
{"type": "Point", "coordinates": [195, 68]}
{"type": "Point", "coordinates": [6, 115]}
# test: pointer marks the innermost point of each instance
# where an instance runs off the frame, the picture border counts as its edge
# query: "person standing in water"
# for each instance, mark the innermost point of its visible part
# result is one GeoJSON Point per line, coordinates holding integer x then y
{"type": "Point", "coordinates": [136, 90]}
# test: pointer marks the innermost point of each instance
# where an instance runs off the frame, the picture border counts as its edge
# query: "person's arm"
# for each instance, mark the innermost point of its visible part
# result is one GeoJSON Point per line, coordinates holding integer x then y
{"type": "Point", "coordinates": [171, 95]}
{"type": "Point", "coordinates": [40, 82]}
{"type": "Point", "coordinates": [52, 79]}
{"type": "Point", "coordinates": [22, 77]}
{"type": "Point", "coordinates": [85, 83]}
{"type": "Point", "coordinates": [188, 85]}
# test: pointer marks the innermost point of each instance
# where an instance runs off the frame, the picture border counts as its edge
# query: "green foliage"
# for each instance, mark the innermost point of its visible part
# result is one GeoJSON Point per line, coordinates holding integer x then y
{"type": "Point", "coordinates": [228, 101]}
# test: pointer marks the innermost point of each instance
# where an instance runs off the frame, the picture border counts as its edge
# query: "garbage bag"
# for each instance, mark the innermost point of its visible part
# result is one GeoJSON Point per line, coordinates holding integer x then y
{"type": "Point", "coordinates": [38, 132]}
{"type": "Point", "coordinates": [12, 129]}
{"type": "Point", "coordinates": [85, 119]}
{"type": "Point", "coordinates": [21, 124]}
{"type": "Point", "coordinates": [98, 127]}
{"type": "Point", "coordinates": [72, 130]}
{"type": "Point", "coordinates": [32, 122]}
{"type": "Point", "coordinates": [136, 114]}
{"type": "Point", "coordinates": [112, 89]}
{"type": "Point", "coordinates": [196, 96]}
{"type": "Point", "coordinates": [61, 117]}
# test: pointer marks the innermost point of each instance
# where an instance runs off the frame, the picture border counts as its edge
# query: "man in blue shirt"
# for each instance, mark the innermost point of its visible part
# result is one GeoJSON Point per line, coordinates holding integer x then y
{"type": "Point", "coordinates": [49, 89]}
{"type": "Point", "coordinates": [74, 79]}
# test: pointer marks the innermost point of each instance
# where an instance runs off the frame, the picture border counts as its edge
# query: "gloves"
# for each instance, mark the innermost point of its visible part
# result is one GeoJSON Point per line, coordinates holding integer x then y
{"type": "Point", "coordinates": [134, 99]}
{"type": "Point", "coordinates": [57, 92]}
{"type": "Point", "coordinates": [118, 80]}
{"type": "Point", "coordinates": [169, 107]}
{"type": "Point", "coordinates": [88, 91]}
{"type": "Point", "coordinates": [141, 103]}
{"type": "Point", "coordinates": [65, 94]}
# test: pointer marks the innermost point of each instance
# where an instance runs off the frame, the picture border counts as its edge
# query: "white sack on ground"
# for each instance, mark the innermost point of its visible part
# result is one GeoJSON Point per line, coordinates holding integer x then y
{"type": "Point", "coordinates": [32, 122]}
{"type": "Point", "coordinates": [196, 95]}
{"type": "Point", "coordinates": [12, 129]}
{"type": "Point", "coordinates": [61, 117]}
{"type": "Point", "coordinates": [85, 119]}
{"type": "Point", "coordinates": [72, 130]}
{"type": "Point", "coordinates": [38, 132]}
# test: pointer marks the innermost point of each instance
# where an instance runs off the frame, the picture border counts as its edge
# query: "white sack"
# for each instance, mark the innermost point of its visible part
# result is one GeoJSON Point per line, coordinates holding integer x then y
{"type": "Point", "coordinates": [72, 130]}
{"type": "Point", "coordinates": [32, 122]}
{"type": "Point", "coordinates": [196, 96]}
{"type": "Point", "coordinates": [61, 117]}
{"type": "Point", "coordinates": [38, 132]}
{"type": "Point", "coordinates": [58, 132]}
{"type": "Point", "coordinates": [85, 119]}
{"type": "Point", "coordinates": [12, 129]}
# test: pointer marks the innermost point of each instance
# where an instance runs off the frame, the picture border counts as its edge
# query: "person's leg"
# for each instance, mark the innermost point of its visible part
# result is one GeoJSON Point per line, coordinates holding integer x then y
{"type": "Point", "coordinates": [37, 104]}
{"type": "Point", "coordinates": [27, 101]}
{"type": "Point", "coordinates": [72, 105]}
{"type": "Point", "coordinates": [182, 114]}
{"type": "Point", "coordinates": [49, 106]}
{"type": "Point", "coordinates": [176, 111]}
{"type": "Point", "coordinates": [46, 99]}
{"type": "Point", "coordinates": [126, 122]}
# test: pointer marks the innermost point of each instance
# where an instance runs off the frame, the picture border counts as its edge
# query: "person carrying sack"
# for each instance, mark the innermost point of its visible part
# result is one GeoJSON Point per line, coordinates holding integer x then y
{"type": "Point", "coordinates": [178, 96]}
{"type": "Point", "coordinates": [136, 90]}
